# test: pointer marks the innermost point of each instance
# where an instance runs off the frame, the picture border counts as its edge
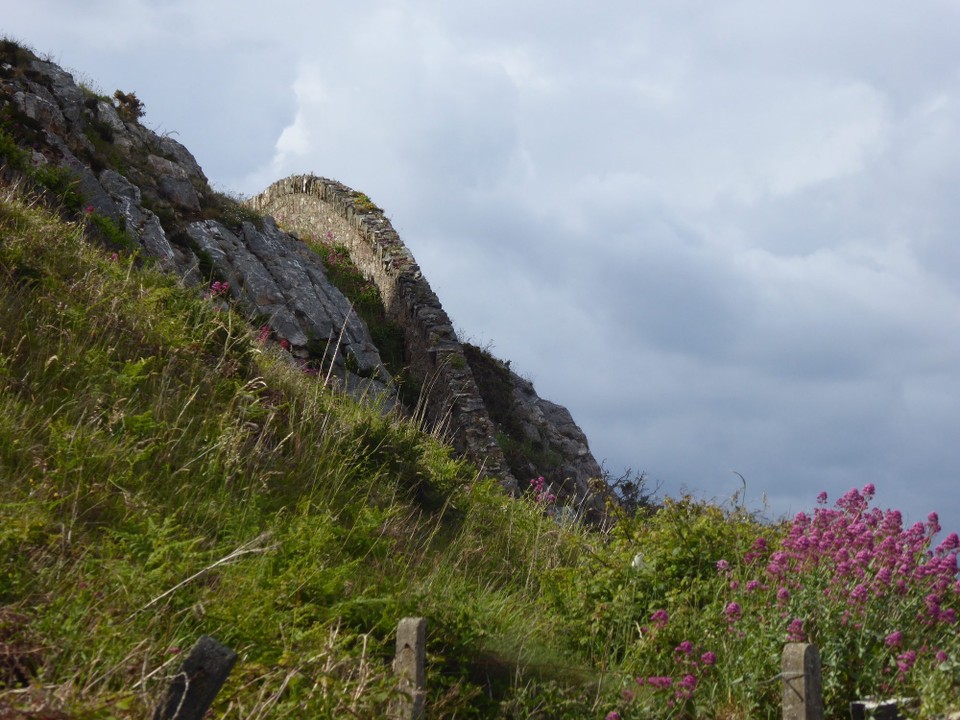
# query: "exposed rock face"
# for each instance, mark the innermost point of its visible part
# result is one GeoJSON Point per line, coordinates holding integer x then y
{"type": "Point", "coordinates": [151, 187]}
{"type": "Point", "coordinates": [496, 417]}
{"type": "Point", "coordinates": [539, 438]}
{"type": "Point", "coordinates": [321, 208]}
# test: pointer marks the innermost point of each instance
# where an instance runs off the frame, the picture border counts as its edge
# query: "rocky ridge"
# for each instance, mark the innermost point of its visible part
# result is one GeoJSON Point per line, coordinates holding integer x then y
{"type": "Point", "coordinates": [145, 192]}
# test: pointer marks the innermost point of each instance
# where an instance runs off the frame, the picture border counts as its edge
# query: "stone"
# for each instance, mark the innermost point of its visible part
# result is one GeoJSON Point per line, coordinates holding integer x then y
{"type": "Point", "coordinates": [875, 710]}
{"type": "Point", "coordinates": [141, 223]}
{"type": "Point", "coordinates": [802, 682]}
{"type": "Point", "coordinates": [193, 689]}
{"type": "Point", "coordinates": [409, 667]}
{"type": "Point", "coordinates": [275, 277]}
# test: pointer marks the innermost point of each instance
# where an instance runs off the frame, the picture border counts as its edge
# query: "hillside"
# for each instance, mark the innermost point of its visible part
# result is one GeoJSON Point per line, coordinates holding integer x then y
{"type": "Point", "coordinates": [176, 461]}
{"type": "Point", "coordinates": [314, 264]}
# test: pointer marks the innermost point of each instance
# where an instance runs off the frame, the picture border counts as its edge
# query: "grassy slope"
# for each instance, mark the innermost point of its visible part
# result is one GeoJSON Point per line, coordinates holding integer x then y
{"type": "Point", "coordinates": [145, 436]}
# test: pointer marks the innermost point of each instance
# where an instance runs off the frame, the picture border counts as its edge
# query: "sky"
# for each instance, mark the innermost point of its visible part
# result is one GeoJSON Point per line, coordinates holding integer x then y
{"type": "Point", "coordinates": [723, 234]}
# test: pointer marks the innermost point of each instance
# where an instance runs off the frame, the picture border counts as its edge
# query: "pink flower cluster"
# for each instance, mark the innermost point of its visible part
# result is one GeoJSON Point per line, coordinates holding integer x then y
{"type": "Point", "coordinates": [541, 492]}
{"type": "Point", "coordinates": [855, 558]}
{"type": "Point", "coordinates": [218, 289]}
{"type": "Point", "coordinates": [690, 663]}
{"type": "Point", "coordinates": [869, 555]}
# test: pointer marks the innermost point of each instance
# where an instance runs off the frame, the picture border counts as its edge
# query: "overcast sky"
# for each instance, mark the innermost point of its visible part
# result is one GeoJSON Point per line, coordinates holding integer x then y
{"type": "Point", "coordinates": [724, 234]}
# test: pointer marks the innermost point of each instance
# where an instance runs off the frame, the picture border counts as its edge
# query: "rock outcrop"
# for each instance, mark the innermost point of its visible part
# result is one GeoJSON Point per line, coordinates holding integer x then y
{"type": "Point", "coordinates": [152, 188]}
{"type": "Point", "coordinates": [152, 193]}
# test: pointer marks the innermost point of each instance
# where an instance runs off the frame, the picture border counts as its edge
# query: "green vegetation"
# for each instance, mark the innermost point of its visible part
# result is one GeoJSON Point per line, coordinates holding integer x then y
{"type": "Point", "coordinates": [362, 203]}
{"type": "Point", "coordinates": [145, 435]}
{"type": "Point", "coordinates": [368, 304]}
{"type": "Point", "coordinates": [496, 386]}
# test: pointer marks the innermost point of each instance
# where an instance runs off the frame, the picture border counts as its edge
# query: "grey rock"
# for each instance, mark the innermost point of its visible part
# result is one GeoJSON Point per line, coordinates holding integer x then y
{"type": "Point", "coordinates": [174, 183]}
{"type": "Point", "coordinates": [272, 275]}
{"type": "Point", "coordinates": [42, 109]}
{"type": "Point", "coordinates": [141, 223]}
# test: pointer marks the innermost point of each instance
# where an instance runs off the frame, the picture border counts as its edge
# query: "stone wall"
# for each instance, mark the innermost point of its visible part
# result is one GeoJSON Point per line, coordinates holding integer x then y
{"type": "Point", "coordinates": [321, 209]}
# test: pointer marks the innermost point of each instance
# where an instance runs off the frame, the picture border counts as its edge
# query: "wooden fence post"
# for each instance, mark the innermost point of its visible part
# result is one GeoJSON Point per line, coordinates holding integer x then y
{"type": "Point", "coordinates": [802, 683]}
{"type": "Point", "coordinates": [201, 676]}
{"type": "Point", "coordinates": [409, 667]}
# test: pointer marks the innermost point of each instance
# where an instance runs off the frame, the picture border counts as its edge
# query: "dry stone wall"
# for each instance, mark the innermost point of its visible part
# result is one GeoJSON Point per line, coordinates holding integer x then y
{"type": "Point", "coordinates": [321, 209]}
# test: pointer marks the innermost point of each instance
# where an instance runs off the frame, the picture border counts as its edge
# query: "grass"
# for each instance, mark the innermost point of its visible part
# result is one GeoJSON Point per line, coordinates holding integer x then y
{"type": "Point", "coordinates": [146, 438]}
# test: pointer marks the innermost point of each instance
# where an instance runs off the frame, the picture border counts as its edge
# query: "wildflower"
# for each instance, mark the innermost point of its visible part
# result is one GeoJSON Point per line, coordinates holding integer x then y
{"type": "Point", "coordinates": [941, 656]}
{"type": "Point", "coordinates": [708, 658]}
{"type": "Point", "coordinates": [859, 592]}
{"type": "Point", "coordinates": [659, 618]}
{"type": "Point", "coordinates": [285, 344]}
{"type": "Point", "coordinates": [783, 595]}
{"type": "Point", "coordinates": [660, 682]}
{"type": "Point", "coordinates": [795, 631]}
{"type": "Point", "coordinates": [822, 498]}
{"type": "Point", "coordinates": [89, 210]}
{"type": "Point", "coordinates": [264, 334]}
{"type": "Point", "coordinates": [894, 639]}
{"type": "Point", "coordinates": [613, 715]}
{"type": "Point", "coordinates": [685, 648]}
{"type": "Point", "coordinates": [950, 542]}
{"type": "Point", "coordinates": [905, 661]}
{"type": "Point", "coordinates": [722, 565]}
{"type": "Point", "coordinates": [115, 257]}
{"type": "Point", "coordinates": [752, 585]}
{"type": "Point", "coordinates": [732, 611]}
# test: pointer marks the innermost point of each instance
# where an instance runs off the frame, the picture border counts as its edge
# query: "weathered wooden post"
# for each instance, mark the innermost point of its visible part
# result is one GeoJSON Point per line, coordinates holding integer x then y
{"type": "Point", "coordinates": [802, 683]}
{"type": "Point", "coordinates": [409, 668]}
{"type": "Point", "coordinates": [201, 676]}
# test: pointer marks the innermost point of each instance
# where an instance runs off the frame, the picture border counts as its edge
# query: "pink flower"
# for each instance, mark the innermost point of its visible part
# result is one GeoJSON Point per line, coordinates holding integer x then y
{"type": "Point", "coordinates": [661, 682]}
{"type": "Point", "coordinates": [685, 648]}
{"type": "Point", "coordinates": [732, 611]}
{"type": "Point", "coordinates": [722, 565]}
{"type": "Point", "coordinates": [708, 658]}
{"type": "Point", "coordinates": [659, 618]}
{"type": "Point", "coordinates": [859, 592]}
{"type": "Point", "coordinates": [894, 639]}
{"type": "Point", "coordinates": [905, 661]}
{"type": "Point", "coordinates": [822, 498]}
{"type": "Point", "coordinates": [795, 631]}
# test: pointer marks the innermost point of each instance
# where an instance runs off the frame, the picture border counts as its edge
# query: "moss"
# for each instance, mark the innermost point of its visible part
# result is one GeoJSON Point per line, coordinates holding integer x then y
{"type": "Point", "coordinates": [362, 203]}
